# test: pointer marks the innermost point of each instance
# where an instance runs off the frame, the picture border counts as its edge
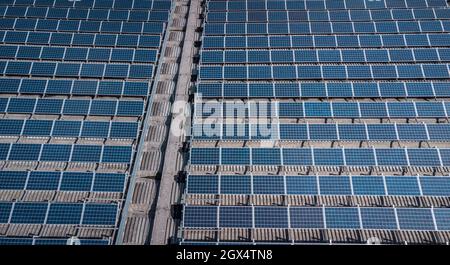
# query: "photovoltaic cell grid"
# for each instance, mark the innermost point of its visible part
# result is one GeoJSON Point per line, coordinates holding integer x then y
{"type": "Point", "coordinates": [74, 60]}
{"type": "Point", "coordinates": [349, 54]}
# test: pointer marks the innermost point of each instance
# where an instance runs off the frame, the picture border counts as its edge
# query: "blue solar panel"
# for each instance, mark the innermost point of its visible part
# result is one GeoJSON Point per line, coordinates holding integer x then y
{"type": "Point", "coordinates": [415, 219]}
{"type": "Point", "coordinates": [56, 152]}
{"type": "Point", "coordinates": [391, 157]}
{"type": "Point", "coordinates": [66, 128]}
{"type": "Point", "coordinates": [402, 186]}
{"type": "Point", "coordinates": [109, 182]}
{"type": "Point", "coordinates": [329, 67]}
{"type": "Point", "coordinates": [442, 217]}
{"type": "Point", "coordinates": [359, 157]}
{"type": "Point", "coordinates": [419, 157]}
{"type": "Point", "coordinates": [202, 184]}
{"type": "Point", "coordinates": [60, 213]}
{"type": "Point", "coordinates": [378, 218]}
{"type": "Point", "coordinates": [235, 185]}
{"type": "Point", "coordinates": [328, 157]}
{"type": "Point", "coordinates": [205, 156]}
{"type": "Point", "coordinates": [116, 154]}
{"type": "Point", "coordinates": [335, 185]}
{"type": "Point", "coordinates": [302, 217]}
{"type": "Point", "coordinates": [271, 217]}
{"type": "Point", "coordinates": [29, 152]}
{"type": "Point", "coordinates": [301, 185]}
{"type": "Point", "coordinates": [5, 210]}
{"type": "Point", "coordinates": [86, 153]}
{"type": "Point", "coordinates": [10, 127]}
{"type": "Point", "coordinates": [235, 217]}
{"type": "Point", "coordinates": [43, 180]}
{"type": "Point", "coordinates": [29, 213]}
{"type": "Point", "coordinates": [100, 214]}
{"type": "Point", "coordinates": [235, 156]}
{"type": "Point", "coordinates": [268, 185]}
{"type": "Point", "coordinates": [200, 216]}
{"type": "Point", "coordinates": [266, 156]}
{"type": "Point", "coordinates": [344, 218]}
{"type": "Point", "coordinates": [76, 181]}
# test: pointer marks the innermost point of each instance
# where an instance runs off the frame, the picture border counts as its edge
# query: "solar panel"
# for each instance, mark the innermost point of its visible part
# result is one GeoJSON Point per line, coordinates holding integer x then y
{"type": "Point", "coordinates": [335, 185]}
{"type": "Point", "coordinates": [327, 67]}
{"type": "Point", "coordinates": [56, 152]}
{"type": "Point", "coordinates": [442, 218]}
{"type": "Point", "coordinates": [378, 218]}
{"type": "Point", "coordinates": [345, 218]}
{"type": "Point", "coordinates": [301, 185]}
{"type": "Point", "coordinates": [404, 186]}
{"type": "Point", "coordinates": [61, 213]}
{"type": "Point", "coordinates": [271, 217]}
{"type": "Point", "coordinates": [235, 184]}
{"type": "Point", "coordinates": [415, 219]}
{"type": "Point", "coordinates": [435, 186]}
{"type": "Point", "coordinates": [80, 181]}
{"type": "Point", "coordinates": [235, 217]}
{"type": "Point", "coordinates": [200, 216]}
{"type": "Point", "coordinates": [303, 217]}
{"type": "Point", "coordinates": [29, 213]}
{"type": "Point", "coordinates": [100, 214]}
{"type": "Point", "coordinates": [86, 153]}
{"type": "Point", "coordinates": [43, 180]}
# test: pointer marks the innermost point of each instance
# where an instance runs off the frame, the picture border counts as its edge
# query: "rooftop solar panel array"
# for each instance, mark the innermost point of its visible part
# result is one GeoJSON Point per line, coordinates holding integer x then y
{"type": "Point", "coordinates": [319, 116]}
{"type": "Point", "coordinates": [75, 80]}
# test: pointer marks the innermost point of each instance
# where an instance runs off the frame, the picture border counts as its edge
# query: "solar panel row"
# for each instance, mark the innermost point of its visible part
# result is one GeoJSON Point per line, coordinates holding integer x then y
{"type": "Point", "coordinates": [62, 181]}
{"type": "Point", "coordinates": [317, 217]}
{"type": "Point", "coordinates": [327, 41]}
{"type": "Point", "coordinates": [319, 185]}
{"type": "Point", "coordinates": [73, 87]}
{"type": "Point", "coordinates": [322, 132]}
{"type": "Point", "coordinates": [316, 109]}
{"type": "Point", "coordinates": [69, 128]}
